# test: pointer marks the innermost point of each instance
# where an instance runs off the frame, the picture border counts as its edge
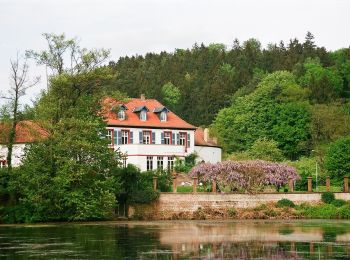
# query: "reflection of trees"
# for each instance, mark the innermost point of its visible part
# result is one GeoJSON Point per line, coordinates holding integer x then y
{"type": "Point", "coordinates": [176, 240]}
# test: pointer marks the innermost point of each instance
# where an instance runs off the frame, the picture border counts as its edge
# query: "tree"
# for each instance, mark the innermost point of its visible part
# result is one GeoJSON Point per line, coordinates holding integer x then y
{"type": "Point", "coordinates": [325, 84]}
{"type": "Point", "coordinates": [62, 51]}
{"type": "Point", "coordinates": [20, 83]}
{"type": "Point", "coordinates": [276, 110]}
{"type": "Point", "coordinates": [171, 95]}
{"type": "Point", "coordinates": [337, 159]}
{"type": "Point", "coordinates": [265, 149]}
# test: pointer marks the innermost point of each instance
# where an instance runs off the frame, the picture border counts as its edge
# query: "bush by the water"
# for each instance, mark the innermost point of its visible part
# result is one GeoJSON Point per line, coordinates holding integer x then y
{"type": "Point", "coordinates": [327, 197]}
{"type": "Point", "coordinates": [344, 212]}
{"type": "Point", "coordinates": [338, 203]}
{"type": "Point", "coordinates": [285, 203]}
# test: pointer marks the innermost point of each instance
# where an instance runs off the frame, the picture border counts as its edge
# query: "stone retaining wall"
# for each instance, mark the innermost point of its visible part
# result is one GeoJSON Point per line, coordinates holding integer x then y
{"type": "Point", "coordinates": [175, 203]}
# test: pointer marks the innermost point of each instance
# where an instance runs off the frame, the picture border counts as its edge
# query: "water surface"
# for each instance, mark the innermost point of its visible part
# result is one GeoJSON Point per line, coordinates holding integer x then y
{"type": "Point", "coordinates": [178, 240]}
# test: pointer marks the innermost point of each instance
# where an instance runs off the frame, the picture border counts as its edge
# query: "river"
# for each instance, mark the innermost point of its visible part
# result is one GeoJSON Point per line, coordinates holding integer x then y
{"type": "Point", "coordinates": [307, 239]}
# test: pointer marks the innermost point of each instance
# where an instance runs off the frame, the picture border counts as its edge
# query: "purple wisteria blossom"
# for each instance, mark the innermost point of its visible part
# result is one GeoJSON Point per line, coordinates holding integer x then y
{"type": "Point", "coordinates": [245, 175]}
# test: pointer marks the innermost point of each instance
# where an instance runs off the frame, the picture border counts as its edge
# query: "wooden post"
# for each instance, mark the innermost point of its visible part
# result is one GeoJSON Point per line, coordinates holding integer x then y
{"type": "Point", "coordinates": [214, 187]}
{"type": "Point", "coordinates": [311, 247]}
{"type": "Point", "coordinates": [174, 183]}
{"type": "Point", "coordinates": [328, 183]}
{"type": "Point", "coordinates": [309, 184]}
{"type": "Point", "coordinates": [195, 184]}
{"type": "Point", "coordinates": [155, 180]}
{"type": "Point", "coordinates": [346, 184]}
{"type": "Point", "coordinates": [291, 185]}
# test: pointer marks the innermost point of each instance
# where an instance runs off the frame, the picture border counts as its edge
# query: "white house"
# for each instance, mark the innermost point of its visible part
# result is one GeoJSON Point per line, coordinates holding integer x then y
{"type": "Point", "coordinates": [148, 135]}
{"type": "Point", "coordinates": [151, 136]}
{"type": "Point", "coordinates": [26, 132]}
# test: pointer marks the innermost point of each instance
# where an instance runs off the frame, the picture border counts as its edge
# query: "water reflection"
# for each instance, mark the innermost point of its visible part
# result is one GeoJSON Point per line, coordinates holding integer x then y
{"type": "Point", "coordinates": [179, 240]}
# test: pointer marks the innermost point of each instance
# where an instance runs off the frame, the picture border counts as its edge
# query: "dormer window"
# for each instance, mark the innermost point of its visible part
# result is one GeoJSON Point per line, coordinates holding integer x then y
{"type": "Point", "coordinates": [162, 113]}
{"type": "Point", "coordinates": [120, 109]}
{"type": "Point", "coordinates": [121, 115]}
{"type": "Point", "coordinates": [143, 115]}
{"type": "Point", "coordinates": [163, 116]}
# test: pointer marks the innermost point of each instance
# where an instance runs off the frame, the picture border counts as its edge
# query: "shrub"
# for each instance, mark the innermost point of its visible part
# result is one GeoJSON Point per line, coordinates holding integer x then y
{"type": "Point", "coordinates": [232, 212]}
{"type": "Point", "coordinates": [344, 211]}
{"type": "Point", "coordinates": [338, 203]}
{"type": "Point", "coordinates": [144, 196]}
{"type": "Point", "coordinates": [325, 211]}
{"type": "Point", "coordinates": [327, 197]}
{"type": "Point", "coordinates": [285, 203]}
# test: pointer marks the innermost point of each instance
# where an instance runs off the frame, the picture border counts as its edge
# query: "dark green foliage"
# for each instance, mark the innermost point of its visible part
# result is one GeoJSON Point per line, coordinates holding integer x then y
{"type": "Point", "coordinates": [327, 197]}
{"type": "Point", "coordinates": [285, 203]}
{"type": "Point", "coordinates": [137, 187]}
{"type": "Point", "coordinates": [338, 203]}
{"type": "Point", "coordinates": [144, 196]}
{"type": "Point", "coordinates": [337, 159]}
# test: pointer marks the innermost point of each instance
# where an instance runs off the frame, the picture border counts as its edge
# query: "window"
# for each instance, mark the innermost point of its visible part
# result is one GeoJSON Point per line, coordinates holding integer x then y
{"type": "Point", "coordinates": [110, 136]}
{"type": "Point", "coordinates": [163, 116]}
{"type": "Point", "coordinates": [170, 163]}
{"type": "Point", "coordinates": [149, 163]}
{"type": "Point", "coordinates": [143, 115]}
{"type": "Point", "coordinates": [121, 115]}
{"type": "Point", "coordinates": [167, 137]}
{"type": "Point", "coordinates": [3, 163]}
{"type": "Point", "coordinates": [182, 140]}
{"type": "Point", "coordinates": [146, 137]}
{"type": "Point", "coordinates": [160, 162]}
{"type": "Point", "coordinates": [124, 161]}
{"type": "Point", "coordinates": [125, 137]}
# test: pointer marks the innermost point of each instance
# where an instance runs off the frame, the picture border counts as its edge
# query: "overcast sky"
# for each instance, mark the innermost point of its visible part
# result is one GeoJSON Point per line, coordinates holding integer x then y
{"type": "Point", "coordinates": [131, 27]}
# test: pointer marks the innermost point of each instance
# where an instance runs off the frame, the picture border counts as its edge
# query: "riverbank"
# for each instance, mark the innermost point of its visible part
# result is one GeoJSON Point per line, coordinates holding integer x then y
{"type": "Point", "coordinates": [264, 211]}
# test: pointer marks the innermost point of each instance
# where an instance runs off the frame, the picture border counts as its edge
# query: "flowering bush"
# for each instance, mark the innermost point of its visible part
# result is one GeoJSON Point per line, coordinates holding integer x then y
{"type": "Point", "coordinates": [245, 175]}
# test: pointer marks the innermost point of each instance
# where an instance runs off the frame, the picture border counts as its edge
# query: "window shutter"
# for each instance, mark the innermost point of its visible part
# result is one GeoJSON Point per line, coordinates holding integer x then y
{"type": "Point", "coordinates": [162, 137]}
{"type": "Point", "coordinates": [153, 137]}
{"type": "Point", "coordinates": [131, 137]}
{"type": "Point", "coordinates": [140, 137]}
{"type": "Point", "coordinates": [188, 140]}
{"type": "Point", "coordinates": [178, 139]}
{"type": "Point", "coordinates": [115, 137]}
{"type": "Point", "coordinates": [119, 137]}
{"type": "Point", "coordinates": [173, 139]}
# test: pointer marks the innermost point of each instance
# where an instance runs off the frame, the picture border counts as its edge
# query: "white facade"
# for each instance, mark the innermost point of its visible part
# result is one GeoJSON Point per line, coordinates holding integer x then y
{"type": "Point", "coordinates": [209, 154]}
{"type": "Point", "coordinates": [157, 152]}
{"type": "Point", "coordinates": [17, 154]}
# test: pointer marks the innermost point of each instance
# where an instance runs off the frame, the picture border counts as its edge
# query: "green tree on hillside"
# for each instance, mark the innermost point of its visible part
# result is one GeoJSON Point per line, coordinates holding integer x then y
{"type": "Point", "coordinates": [276, 110]}
{"type": "Point", "coordinates": [337, 160]}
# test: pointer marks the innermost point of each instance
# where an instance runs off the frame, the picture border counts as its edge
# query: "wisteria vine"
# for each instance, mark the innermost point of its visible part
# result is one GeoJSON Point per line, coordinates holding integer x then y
{"type": "Point", "coordinates": [245, 175]}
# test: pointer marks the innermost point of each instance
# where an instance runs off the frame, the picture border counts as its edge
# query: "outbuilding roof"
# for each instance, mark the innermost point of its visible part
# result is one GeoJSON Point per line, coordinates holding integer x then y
{"type": "Point", "coordinates": [26, 132]}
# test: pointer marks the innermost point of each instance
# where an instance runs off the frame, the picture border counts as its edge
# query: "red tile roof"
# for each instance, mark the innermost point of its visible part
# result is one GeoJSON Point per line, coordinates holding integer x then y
{"type": "Point", "coordinates": [26, 132]}
{"type": "Point", "coordinates": [132, 119]}
{"type": "Point", "coordinates": [199, 139]}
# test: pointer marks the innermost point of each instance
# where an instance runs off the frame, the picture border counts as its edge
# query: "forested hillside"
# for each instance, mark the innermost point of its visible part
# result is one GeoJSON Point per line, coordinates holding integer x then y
{"type": "Point", "coordinates": [205, 78]}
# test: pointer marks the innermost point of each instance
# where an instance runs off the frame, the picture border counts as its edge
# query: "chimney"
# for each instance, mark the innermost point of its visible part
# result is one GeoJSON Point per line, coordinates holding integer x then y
{"type": "Point", "coordinates": [143, 97]}
{"type": "Point", "coordinates": [206, 134]}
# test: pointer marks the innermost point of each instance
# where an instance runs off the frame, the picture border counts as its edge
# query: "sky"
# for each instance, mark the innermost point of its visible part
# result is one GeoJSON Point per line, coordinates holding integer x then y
{"type": "Point", "coordinates": [130, 27]}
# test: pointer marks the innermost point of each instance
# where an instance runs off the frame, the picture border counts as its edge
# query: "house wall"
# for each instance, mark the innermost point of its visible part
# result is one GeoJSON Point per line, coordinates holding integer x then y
{"type": "Point", "coordinates": [137, 153]}
{"type": "Point", "coordinates": [208, 154]}
{"type": "Point", "coordinates": [17, 153]}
